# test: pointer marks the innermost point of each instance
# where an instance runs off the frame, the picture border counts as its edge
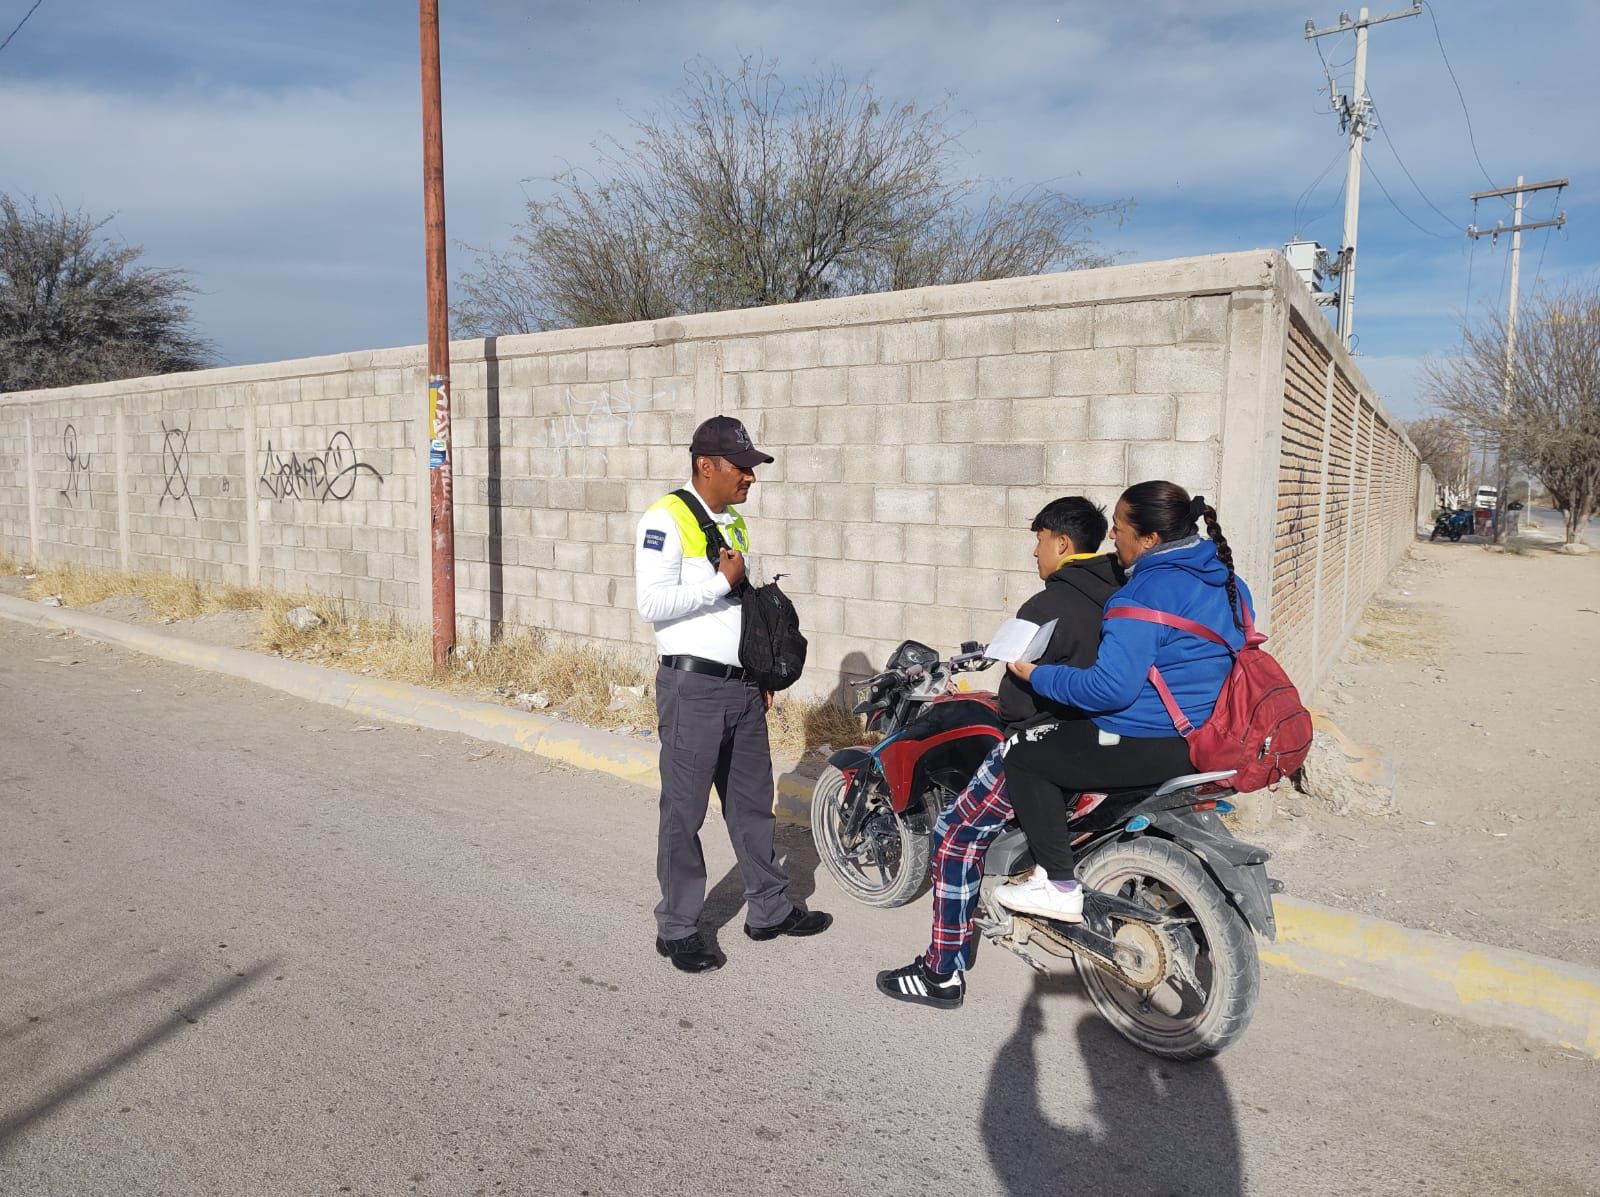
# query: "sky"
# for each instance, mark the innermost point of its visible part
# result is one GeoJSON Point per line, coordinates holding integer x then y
{"type": "Point", "coordinates": [273, 150]}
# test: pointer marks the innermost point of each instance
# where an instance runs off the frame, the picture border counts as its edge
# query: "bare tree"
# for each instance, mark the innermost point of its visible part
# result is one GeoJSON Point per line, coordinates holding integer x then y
{"type": "Point", "coordinates": [75, 308]}
{"type": "Point", "coordinates": [746, 192]}
{"type": "Point", "coordinates": [1544, 405]}
{"type": "Point", "coordinates": [1445, 448]}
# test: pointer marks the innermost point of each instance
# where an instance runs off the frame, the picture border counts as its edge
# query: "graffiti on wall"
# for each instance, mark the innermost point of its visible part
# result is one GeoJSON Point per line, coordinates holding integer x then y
{"type": "Point", "coordinates": [319, 477]}
{"type": "Point", "coordinates": [175, 465]}
{"type": "Point", "coordinates": [77, 465]}
{"type": "Point", "coordinates": [607, 418]}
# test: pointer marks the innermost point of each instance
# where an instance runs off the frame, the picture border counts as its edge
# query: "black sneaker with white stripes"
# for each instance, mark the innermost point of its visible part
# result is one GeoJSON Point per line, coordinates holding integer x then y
{"type": "Point", "coordinates": [917, 983]}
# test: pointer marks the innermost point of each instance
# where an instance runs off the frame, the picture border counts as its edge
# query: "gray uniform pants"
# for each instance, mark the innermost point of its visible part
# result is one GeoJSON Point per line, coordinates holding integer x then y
{"type": "Point", "coordinates": [714, 732]}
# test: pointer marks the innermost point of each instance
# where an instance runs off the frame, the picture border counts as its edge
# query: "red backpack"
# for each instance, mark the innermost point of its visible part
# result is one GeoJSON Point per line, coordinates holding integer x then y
{"type": "Point", "coordinates": [1259, 727]}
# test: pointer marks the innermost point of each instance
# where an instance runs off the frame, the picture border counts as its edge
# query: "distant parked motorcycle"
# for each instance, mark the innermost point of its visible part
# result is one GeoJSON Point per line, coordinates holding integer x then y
{"type": "Point", "coordinates": [1165, 949]}
{"type": "Point", "coordinates": [1454, 524]}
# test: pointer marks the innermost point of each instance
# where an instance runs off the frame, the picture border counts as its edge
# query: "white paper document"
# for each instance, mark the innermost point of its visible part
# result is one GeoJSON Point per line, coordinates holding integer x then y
{"type": "Point", "coordinates": [1019, 640]}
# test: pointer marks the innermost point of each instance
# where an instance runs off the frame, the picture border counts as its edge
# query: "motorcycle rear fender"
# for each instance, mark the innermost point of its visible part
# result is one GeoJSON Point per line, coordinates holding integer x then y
{"type": "Point", "coordinates": [1240, 869]}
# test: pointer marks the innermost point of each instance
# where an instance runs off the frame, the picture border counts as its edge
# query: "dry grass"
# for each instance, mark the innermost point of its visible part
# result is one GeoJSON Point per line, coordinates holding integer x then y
{"type": "Point", "coordinates": [801, 725]}
{"type": "Point", "coordinates": [578, 679]}
{"type": "Point", "coordinates": [1391, 632]}
{"type": "Point", "coordinates": [169, 596]}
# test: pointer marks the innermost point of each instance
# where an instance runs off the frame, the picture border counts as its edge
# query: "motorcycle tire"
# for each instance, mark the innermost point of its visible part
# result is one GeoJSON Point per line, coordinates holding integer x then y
{"type": "Point", "coordinates": [1434, 535]}
{"type": "Point", "coordinates": [881, 883]}
{"type": "Point", "coordinates": [1225, 951]}
{"type": "Point", "coordinates": [1456, 536]}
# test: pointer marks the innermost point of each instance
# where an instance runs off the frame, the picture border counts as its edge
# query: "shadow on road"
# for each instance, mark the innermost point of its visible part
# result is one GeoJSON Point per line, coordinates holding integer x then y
{"type": "Point", "coordinates": [726, 898]}
{"type": "Point", "coordinates": [14, 1122]}
{"type": "Point", "coordinates": [1157, 1127]}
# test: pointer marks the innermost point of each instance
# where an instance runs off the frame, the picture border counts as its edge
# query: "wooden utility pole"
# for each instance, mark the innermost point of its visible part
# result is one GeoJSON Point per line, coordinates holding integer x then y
{"type": "Point", "coordinates": [440, 507]}
{"type": "Point", "coordinates": [1355, 117]}
{"type": "Point", "coordinates": [1516, 229]}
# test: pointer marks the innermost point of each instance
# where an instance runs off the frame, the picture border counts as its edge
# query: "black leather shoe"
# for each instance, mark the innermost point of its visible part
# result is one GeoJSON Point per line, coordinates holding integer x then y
{"type": "Point", "coordinates": [689, 954]}
{"type": "Point", "coordinates": [800, 922]}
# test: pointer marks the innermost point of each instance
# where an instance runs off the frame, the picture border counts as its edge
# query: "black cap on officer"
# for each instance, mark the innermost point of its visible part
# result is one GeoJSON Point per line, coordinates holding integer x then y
{"type": "Point", "coordinates": [723, 436]}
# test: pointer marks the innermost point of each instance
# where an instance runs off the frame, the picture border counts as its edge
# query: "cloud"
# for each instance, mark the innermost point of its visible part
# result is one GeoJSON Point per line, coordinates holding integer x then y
{"type": "Point", "coordinates": [274, 150]}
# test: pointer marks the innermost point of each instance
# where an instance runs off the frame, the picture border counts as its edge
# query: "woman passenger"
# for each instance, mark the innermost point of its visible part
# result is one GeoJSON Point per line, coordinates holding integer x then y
{"type": "Point", "coordinates": [1129, 738]}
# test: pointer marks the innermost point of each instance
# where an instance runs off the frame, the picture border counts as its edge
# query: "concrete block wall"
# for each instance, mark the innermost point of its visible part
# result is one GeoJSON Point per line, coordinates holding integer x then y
{"type": "Point", "coordinates": [917, 433]}
{"type": "Point", "coordinates": [1346, 502]}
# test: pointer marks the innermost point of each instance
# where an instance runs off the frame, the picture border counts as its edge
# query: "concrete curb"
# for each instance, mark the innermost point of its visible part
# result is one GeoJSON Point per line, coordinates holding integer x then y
{"type": "Point", "coordinates": [1550, 1000]}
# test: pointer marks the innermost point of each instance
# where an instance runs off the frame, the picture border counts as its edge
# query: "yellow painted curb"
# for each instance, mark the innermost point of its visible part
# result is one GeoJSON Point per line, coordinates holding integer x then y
{"type": "Point", "coordinates": [1551, 1000]}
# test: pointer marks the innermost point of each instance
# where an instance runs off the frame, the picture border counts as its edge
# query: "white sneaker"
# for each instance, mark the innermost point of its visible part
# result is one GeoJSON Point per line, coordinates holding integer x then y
{"type": "Point", "coordinates": [1040, 896]}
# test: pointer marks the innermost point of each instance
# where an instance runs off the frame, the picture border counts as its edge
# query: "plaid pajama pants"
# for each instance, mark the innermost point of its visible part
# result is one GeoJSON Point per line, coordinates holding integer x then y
{"type": "Point", "coordinates": [963, 835]}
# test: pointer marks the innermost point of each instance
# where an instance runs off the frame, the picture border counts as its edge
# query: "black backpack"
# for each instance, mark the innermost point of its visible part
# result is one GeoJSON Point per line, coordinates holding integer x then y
{"type": "Point", "coordinates": [771, 649]}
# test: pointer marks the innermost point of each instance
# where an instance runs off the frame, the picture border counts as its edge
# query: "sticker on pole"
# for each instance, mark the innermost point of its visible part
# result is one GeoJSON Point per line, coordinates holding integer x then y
{"type": "Point", "coordinates": [439, 422]}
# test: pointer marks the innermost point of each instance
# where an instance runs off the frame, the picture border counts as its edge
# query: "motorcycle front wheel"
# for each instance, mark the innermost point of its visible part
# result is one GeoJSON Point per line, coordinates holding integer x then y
{"type": "Point", "coordinates": [888, 864]}
{"type": "Point", "coordinates": [1434, 535]}
{"type": "Point", "coordinates": [1210, 972]}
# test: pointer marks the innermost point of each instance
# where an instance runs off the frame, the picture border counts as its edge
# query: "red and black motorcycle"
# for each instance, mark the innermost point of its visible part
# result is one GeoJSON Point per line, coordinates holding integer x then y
{"type": "Point", "coordinates": [874, 808]}
{"type": "Point", "coordinates": [1165, 948]}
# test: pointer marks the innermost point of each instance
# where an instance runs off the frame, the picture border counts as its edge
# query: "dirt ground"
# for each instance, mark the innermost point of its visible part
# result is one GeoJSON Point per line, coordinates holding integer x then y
{"type": "Point", "coordinates": [1478, 674]}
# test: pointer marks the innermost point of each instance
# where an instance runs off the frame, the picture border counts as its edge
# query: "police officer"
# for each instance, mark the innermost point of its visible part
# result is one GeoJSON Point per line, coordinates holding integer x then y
{"type": "Point", "coordinates": [713, 723]}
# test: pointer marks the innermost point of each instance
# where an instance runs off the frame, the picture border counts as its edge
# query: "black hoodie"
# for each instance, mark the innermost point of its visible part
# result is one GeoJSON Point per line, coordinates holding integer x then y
{"type": "Point", "coordinates": [1075, 597]}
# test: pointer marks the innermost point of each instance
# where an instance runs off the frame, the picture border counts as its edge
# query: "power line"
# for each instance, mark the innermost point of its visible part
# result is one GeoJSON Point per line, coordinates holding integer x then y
{"type": "Point", "coordinates": [1472, 255]}
{"type": "Point", "coordinates": [1312, 186]}
{"type": "Point", "coordinates": [1383, 128]}
{"type": "Point", "coordinates": [20, 24]}
{"type": "Point", "coordinates": [1379, 181]}
{"type": "Point", "coordinates": [1471, 139]}
{"type": "Point", "coordinates": [1505, 265]}
{"type": "Point", "coordinates": [1545, 244]}
{"type": "Point", "coordinates": [1328, 211]}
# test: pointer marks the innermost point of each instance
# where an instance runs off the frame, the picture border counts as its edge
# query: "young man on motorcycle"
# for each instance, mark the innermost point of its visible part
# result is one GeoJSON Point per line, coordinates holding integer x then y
{"type": "Point", "coordinates": [1130, 739]}
{"type": "Point", "coordinates": [1078, 581]}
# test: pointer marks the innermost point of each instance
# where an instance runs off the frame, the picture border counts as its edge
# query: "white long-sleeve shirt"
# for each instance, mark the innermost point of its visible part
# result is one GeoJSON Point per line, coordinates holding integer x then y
{"type": "Point", "coordinates": [686, 601]}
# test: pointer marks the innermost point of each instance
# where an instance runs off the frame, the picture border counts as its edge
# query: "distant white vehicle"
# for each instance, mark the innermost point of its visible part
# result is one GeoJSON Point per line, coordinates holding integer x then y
{"type": "Point", "coordinates": [1486, 498]}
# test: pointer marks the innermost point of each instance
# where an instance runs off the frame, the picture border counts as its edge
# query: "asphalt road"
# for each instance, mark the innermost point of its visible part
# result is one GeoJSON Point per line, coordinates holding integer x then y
{"type": "Point", "coordinates": [247, 947]}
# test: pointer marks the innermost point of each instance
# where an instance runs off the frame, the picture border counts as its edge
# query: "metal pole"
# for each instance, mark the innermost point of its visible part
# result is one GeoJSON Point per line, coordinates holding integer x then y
{"type": "Point", "coordinates": [1352, 185]}
{"type": "Point", "coordinates": [441, 510]}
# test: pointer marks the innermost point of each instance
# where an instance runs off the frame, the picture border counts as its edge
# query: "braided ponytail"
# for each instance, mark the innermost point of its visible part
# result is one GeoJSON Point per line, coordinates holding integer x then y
{"type": "Point", "coordinates": [1225, 555]}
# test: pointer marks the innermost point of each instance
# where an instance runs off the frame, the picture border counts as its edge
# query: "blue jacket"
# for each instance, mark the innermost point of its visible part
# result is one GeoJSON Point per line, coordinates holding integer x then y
{"type": "Point", "coordinates": [1184, 578]}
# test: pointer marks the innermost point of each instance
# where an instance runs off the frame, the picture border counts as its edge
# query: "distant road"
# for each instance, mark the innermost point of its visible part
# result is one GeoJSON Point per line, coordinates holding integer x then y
{"type": "Point", "coordinates": [1553, 522]}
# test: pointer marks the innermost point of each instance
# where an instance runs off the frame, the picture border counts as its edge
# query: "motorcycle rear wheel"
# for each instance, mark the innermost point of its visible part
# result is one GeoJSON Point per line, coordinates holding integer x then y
{"type": "Point", "coordinates": [1176, 1020]}
{"type": "Point", "coordinates": [890, 866]}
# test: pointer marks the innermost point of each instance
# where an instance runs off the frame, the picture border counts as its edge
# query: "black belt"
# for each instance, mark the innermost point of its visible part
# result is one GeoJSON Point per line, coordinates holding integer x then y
{"type": "Point", "coordinates": [733, 673]}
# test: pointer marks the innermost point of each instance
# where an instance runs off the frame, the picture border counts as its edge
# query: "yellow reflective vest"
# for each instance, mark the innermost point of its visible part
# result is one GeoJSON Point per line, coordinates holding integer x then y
{"type": "Point", "coordinates": [694, 540]}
